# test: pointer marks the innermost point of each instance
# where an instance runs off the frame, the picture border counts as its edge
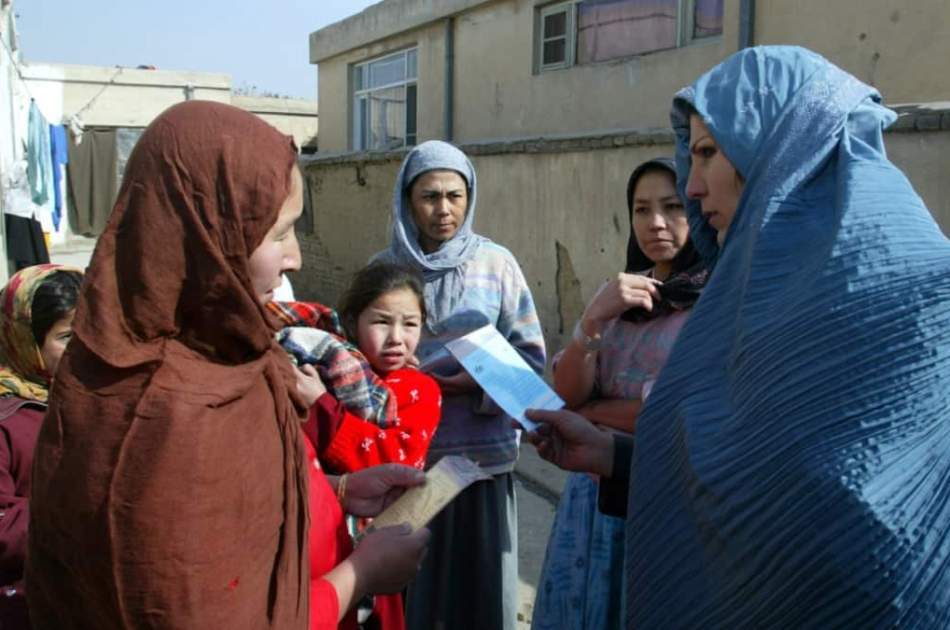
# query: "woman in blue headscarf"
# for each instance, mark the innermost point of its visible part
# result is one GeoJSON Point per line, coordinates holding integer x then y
{"type": "Point", "coordinates": [792, 465]}
{"type": "Point", "coordinates": [469, 578]}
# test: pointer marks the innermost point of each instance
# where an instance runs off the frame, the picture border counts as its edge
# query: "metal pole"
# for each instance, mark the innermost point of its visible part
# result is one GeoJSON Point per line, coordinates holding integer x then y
{"type": "Point", "coordinates": [746, 24]}
{"type": "Point", "coordinates": [449, 100]}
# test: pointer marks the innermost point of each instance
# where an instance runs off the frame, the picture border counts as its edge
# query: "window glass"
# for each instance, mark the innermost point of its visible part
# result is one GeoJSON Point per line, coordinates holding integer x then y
{"type": "Point", "coordinates": [707, 19]}
{"type": "Point", "coordinates": [411, 70]}
{"type": "Point", "coordinates": [411, 114]}
{"type": "Point", "coordinates": [360, 122]}
{"type": "Point", "coordinates": [555, 24]}
{"type": "Point", "coordinates": [387, 71]}
{"type": "Point", "coordinates": [384, 103]}
{"type": "Point", "coordinates": [387, 128]}
{"type": "Point", "coordinates": [610, 29]}
{"type": "Point", "coordinates": [553, 51]}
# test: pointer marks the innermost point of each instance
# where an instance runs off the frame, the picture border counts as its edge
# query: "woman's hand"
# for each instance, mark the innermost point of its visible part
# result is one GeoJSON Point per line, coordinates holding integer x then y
{"type": "Point", "coordinates": [461, 383]}
{"type": "Point", "coordinates": [369, 491]}
{"type": "Point", "coordinates": [624, 292]}
{"type": "Point", "coordinates": [387, 559]}
{"type": "Point", "coordinates": [569, 441]}
{"type": "Point", "coordinates": [309, 384]}
{"type": "Point", "coordinates": [384, 562]}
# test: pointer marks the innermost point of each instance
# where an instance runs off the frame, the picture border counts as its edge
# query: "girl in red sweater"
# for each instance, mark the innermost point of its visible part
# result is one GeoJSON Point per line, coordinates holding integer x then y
{"type": "Point", "coordinates": [383, 311]}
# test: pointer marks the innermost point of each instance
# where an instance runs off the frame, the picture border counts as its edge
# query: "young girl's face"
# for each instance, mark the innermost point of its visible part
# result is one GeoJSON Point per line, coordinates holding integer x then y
{"type": "Point", "coordinates": [55, 343]}
{"type": "Point", "coordinates": [388, 330]}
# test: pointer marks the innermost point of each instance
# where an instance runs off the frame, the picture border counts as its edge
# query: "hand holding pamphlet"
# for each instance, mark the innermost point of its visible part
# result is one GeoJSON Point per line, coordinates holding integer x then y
{"type": "Point", "coordinates": [504, 375]}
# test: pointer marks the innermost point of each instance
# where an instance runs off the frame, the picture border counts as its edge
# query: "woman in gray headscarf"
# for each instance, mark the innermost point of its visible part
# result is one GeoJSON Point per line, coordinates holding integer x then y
{"type": "Point", "coordinates": [469, 578]}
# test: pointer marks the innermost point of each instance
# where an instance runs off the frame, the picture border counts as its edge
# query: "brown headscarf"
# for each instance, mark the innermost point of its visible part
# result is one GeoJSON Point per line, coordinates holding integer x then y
{"type": "Point", "coordinates": [169, 488]}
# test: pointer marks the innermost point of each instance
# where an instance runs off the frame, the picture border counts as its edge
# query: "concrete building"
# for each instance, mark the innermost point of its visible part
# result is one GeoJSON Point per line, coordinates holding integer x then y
{"type": "Point", "coordinates": [556, 101]}
{"type": "Point", "coordinates": [98, 96]}
{"type": "Point", "coordinates": [130, 98]}
{"type": "Point", "coordinates": [480, 70]}
{"type": "Point", "coordinates": [294, 116]}
{"type": "Point", "coordinates": [11, 95]}
{"type": "Point", "coordinates": [121, 99]}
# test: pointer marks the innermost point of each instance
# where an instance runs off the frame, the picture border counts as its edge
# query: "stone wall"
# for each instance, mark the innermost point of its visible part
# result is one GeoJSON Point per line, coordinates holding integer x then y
{"type": "Point", "coordinates": [557, 203]}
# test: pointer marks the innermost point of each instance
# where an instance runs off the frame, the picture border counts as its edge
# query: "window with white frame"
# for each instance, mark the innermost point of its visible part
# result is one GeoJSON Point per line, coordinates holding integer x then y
{"type": "Point", "coordinates": [557, 36]}
{"type": "Point", "coordinates": [384, 102]}
{"type": "Point", "coordinates": [588, 31]}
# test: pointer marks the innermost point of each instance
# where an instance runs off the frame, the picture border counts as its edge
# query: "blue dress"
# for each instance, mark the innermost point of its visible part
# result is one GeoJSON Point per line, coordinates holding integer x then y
{"type": "Point", "coordinates": [581, 584]}
{"type": "Point", "coordinates": [792, 464]}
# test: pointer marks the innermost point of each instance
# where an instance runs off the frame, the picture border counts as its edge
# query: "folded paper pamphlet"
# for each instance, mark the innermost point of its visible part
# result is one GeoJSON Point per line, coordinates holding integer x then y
{"type": "Point", "coordinates": [419, 504]}
{"type": "Point", "coordinates": [504, 375]}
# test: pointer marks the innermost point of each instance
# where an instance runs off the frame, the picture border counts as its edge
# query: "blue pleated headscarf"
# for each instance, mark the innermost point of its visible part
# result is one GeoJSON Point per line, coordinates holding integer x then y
{"type": "Point", "coordinates": [792, 465]}
{"type": "Point", "coordinates": [442, 269]}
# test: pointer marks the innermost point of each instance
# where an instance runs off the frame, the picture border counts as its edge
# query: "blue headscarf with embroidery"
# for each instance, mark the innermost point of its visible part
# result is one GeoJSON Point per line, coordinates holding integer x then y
{"type": "Point", "coordinates": [441, 269]}
{"type": "Point", "coordinates": [792, 465]}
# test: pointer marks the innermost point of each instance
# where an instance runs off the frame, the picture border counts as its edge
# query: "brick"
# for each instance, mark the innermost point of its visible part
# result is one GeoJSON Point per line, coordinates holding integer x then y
{"type": "Point", "coordinates": [928, 122]}
{"type": "Point", "coordinates": [905, 122]}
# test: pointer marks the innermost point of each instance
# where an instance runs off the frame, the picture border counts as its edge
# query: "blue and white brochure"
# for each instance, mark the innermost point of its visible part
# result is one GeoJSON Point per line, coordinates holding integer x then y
{"type": "Point", "coordinates": [504, 375]}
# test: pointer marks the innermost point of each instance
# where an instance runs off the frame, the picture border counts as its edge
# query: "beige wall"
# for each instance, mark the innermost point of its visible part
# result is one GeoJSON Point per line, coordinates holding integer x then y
{"type": "Point", "coordinates": [294, 117]}
{"type": "Point", "coordinates": [498, 94]}
{"type": "Point", "coordinates": [902, 48]}
{"type": "Point", "coordinates": [925, 159]}
{"type": "Point", "coordinates": [536, 204]}
{"type": "Point", "coordinates": [902, 51]}
{"type": "Point", "coordinates": [117, 97]}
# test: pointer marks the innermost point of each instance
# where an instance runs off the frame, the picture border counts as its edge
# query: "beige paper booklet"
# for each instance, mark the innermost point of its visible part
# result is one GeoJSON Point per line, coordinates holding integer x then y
{"type": "Point", "coordinates": [418, 505]}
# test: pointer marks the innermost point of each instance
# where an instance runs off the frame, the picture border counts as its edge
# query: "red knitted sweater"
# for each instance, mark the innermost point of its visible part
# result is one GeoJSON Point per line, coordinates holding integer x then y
{"type": "Point", "coordinates": [357, 444]}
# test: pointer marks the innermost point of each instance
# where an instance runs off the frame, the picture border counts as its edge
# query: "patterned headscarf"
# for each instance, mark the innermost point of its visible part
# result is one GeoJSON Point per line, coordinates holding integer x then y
{"type": "Point", "coordinates": [440, 269]}
{"type": "Point", "coordinates": [314, 335]}
{"type": "Point", "coordinates": [22, 371]}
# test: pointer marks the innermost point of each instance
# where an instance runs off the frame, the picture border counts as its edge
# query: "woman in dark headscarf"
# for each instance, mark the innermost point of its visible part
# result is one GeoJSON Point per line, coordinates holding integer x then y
{"type": "Point", "coordinates": [606, 371]}
{"type": "Point", "coordinates": [170, 486]}
{"type": "Point", "coordinates": [36, 313]}
{"type": "Point", "coordinates": [792, 464]}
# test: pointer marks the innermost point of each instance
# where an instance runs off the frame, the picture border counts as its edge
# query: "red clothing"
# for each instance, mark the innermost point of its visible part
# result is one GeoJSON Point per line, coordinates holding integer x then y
{"type": "Point", "coordinates": [348, 443]}
{"type": "Point", "coordinates": [358, 444]}
{"type": "Point", "coordinates": [20, 422]}
{"type": "Point", "coordinates": [329, 545]}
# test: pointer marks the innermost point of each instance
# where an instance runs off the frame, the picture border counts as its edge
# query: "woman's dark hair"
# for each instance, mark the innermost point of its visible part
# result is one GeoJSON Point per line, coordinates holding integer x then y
{"type": "Point", "coordinates": [53, 300]}
{"type": "Point", "coordinates": [373, 281]}
{"type": "Point", "coordinates": [687, 256]}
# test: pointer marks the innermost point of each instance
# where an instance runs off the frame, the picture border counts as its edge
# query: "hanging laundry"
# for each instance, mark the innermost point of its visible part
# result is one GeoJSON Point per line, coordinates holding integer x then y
{"type": "Point", "coordinates": [91, 181]}
{"type": "Point", "coordinates": [60, 156]}
{"type": "Point", "coordinates": [26, 245]}
{"type": "Point", "coordinates": [39, 162]}
{"type": "Point", "coordinates": [95, 170]}
{"type": "Point", "coordinates": [17, 199]}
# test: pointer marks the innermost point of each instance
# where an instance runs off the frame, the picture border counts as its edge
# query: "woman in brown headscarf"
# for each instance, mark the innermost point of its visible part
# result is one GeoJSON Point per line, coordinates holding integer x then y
{"type": "Point", "coordinates": [170, 486]}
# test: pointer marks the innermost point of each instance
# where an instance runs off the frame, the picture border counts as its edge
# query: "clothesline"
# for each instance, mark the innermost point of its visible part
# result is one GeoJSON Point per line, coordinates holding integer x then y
{"type": "Point", "coordinates": [16, 66]}
{"type": "Point", "coordinates": [74, 117]}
